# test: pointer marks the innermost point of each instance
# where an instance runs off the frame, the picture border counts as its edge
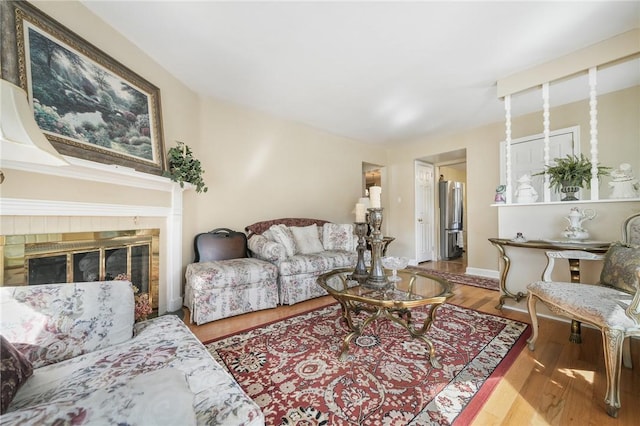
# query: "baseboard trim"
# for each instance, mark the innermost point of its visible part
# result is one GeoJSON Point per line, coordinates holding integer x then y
{"type": "Point", "coordinates": [488, 273]}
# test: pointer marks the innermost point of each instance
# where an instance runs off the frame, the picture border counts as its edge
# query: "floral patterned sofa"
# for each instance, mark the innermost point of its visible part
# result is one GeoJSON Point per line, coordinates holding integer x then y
{"type": "Point", "coordinates": [302, 249]}
{"type": "Point", "coordinates": [80, 359]}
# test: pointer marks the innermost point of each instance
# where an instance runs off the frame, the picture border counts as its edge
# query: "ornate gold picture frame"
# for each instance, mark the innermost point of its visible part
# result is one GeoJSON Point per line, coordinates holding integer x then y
{"type": "Point", "coordinates": [87, 104]}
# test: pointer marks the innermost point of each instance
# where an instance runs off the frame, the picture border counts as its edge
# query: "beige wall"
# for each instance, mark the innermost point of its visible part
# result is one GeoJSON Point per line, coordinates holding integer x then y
{"type": "Point", "coordinates": [618, 134]}
{"type": "Point", "coordinates": [259, 167]}
{"type": "Point", "coordinates": [450, 173]}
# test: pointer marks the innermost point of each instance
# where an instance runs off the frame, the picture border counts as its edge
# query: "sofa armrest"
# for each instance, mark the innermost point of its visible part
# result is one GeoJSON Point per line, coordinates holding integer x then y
{"type": "Point", "coordinates": [261, 248]}
{"type": "Point", "coordinates": [53, 322]}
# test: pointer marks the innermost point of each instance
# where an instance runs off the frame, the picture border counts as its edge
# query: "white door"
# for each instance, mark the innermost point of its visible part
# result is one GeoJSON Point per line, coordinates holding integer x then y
{"type": "Point", "coordinates": [424, 214]}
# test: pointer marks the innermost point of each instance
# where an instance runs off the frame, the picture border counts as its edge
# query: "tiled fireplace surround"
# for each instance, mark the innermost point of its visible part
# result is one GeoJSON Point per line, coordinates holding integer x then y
{"type": "Point", "coordinates": [31, 216]}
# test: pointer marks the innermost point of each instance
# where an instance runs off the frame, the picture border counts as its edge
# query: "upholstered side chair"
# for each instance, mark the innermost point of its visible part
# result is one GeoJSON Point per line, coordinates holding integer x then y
{"type": "Point", "coordinates": [612, 306]}
{"type": "Point", "coordinates": [223, 281]}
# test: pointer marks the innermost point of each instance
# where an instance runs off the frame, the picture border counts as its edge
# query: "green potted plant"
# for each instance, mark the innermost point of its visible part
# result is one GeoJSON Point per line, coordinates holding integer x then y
{"type": "Point", "coordinates": [571, 173]}
{"type": "Point", "coordinates": [183, 167]}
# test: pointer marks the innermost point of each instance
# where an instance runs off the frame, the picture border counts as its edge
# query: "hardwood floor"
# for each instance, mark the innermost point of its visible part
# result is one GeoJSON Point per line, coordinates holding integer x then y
{"type": "Point", "coordinates": [560, 383]}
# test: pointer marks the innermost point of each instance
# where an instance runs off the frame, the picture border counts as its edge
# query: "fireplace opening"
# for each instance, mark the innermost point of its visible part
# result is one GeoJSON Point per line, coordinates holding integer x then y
{"type": "Point", "coordinates": [47, 270]}
{"type": "Point", "coordinates": [82, 257]}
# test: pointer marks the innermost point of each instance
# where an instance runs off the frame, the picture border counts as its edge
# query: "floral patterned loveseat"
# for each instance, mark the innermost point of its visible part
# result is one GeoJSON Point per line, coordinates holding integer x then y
{"type": "Point", "coordinates": [82, 360]}
{"type": "Point", "coordinates": [302, 249]}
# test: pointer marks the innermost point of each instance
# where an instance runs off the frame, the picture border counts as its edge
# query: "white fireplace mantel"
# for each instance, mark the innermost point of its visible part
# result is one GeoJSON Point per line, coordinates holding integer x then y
{"type": "Point", "coordinates": [80, 169]}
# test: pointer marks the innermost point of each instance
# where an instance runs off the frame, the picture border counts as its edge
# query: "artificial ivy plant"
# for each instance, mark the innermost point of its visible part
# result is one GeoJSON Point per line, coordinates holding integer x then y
{"type": "Point", "coordinates": [183, 167]}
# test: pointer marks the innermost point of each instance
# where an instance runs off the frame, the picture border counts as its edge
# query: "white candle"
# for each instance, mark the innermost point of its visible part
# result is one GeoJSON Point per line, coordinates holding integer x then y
{"type": "Point", "coordinates": [374, 196]}
{"type": "Point", "coordinates": [360, 213]}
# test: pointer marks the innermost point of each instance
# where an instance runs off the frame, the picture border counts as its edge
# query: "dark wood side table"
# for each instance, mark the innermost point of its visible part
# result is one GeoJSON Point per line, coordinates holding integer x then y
{"type": "Point", "coordinates": [574, 267]}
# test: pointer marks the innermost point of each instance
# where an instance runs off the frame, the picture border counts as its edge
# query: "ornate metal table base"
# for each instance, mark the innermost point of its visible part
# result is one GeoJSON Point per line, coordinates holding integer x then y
{"type": "Point", "coordinates": [504, 292]}
{"type": "Point", "coordinates": [401, 316]}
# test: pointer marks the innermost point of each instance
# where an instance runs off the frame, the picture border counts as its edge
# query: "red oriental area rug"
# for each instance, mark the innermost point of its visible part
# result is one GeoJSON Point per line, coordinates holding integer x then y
{"type": "Point", "coordinates": [291, 368]}
{"type": "Point", "coordinates": [455, 278]}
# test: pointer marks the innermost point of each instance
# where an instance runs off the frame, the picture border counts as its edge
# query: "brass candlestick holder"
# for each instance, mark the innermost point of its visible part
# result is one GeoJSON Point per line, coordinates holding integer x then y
{"type": "Point", "coordinates": [376, 278]}
{"type": "Point", "coordinates": [360, 273]}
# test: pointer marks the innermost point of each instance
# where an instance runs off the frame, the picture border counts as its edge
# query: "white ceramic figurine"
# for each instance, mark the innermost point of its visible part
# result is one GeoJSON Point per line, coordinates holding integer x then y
{"type": "Point", "coordinates": [623, 184]}
{"type": "Point", "coordinates": [525, 193]}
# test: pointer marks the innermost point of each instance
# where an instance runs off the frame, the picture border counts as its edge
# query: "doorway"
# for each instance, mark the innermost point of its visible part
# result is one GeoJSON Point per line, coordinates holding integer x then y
{"type": "Point", "coordinates": [451, 165]}
{"type": "Point", "coordinates": [371, 176]}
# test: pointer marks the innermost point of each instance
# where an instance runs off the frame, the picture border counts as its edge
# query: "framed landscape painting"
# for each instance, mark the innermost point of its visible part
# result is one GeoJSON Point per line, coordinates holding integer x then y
{"type": "Point", "coordinates": [87, 104]}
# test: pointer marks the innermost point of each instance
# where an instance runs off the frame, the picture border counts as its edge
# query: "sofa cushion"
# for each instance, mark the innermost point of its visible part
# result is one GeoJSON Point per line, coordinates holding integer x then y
{"type": "Point", "coordinates": [338, 237]}
{"type": "Point", "coordinates": [281, 234]}
{"type": "Point", "coordinates": [61, 321]}
{"type": "Point", "coordinates": [15, 369]}
{"type": "Point", "coordinates": [620, 264]}
{"type": "Point", "coordinates": [317, 263]}
{"type": "Point", "coordinates": [164, 392]}
{"type": "Point", "coordinates": [226, 273]}
{"type": "Point", "coordinates": [307, 239]}
{"type": "Point", "coordinates": [266, 249]}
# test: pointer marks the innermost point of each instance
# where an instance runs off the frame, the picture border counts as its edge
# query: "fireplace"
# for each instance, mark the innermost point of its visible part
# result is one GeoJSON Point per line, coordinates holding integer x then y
{"type": "Point", "coordinates": [82, 256]}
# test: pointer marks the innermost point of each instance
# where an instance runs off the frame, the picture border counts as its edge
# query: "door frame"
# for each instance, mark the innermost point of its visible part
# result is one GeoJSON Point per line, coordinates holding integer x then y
{"type": "Point", "coordinates": [429, 210]}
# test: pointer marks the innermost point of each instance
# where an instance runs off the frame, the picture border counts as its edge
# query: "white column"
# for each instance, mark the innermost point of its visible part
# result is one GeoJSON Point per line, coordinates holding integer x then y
{"type": "Point", "coordinates": [593, 112]}
{"type": "Point", "coordinates": [507, 110]}
{"type": "Point", "coordinates": [545, 123]}
{"type": "Point", "coordinates": [173, 244]}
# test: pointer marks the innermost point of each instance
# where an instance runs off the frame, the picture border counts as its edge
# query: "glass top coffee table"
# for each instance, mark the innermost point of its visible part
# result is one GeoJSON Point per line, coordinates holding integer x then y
{"type": "Point", "coordinates": [393, 302]}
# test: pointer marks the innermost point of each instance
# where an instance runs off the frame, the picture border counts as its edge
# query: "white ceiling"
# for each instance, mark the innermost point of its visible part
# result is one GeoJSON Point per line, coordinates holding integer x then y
{"type": "Point", "coordinates": [372, 71]}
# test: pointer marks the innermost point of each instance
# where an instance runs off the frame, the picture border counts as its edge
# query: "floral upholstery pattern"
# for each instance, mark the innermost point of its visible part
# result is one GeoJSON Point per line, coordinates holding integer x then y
{"type": "Point", "coordinates": [15, 369]}
{"type": "Point", "coordinates": [301, 287]}
{"type": "Point", "coordinates": [281, 234]}
{"type": "Point", "coordinates": [634, 232]}
{"type": "Point", "coordinates": [161, 375]}
{"type": "Point", "coordinates": [337, 236]}
{"type": "Point", "coordinates": [631, 229]}
{"type": "Point", "coordinates": [620, 264]}
{"type": "Point", "coordinates": [322, 262]}
{"type": "Point", "coordinates": [266, 249]}
{"type": "Point", "coordinates": [59, 322]}
{"type": "Point", "coordinates": [226, 288]}
{"type": "Point", "coordinates": [101, 387]}
{"type": "Point", "coordinates": [597, 305]}
{"type": "Point", "coordinates": [297, 274]}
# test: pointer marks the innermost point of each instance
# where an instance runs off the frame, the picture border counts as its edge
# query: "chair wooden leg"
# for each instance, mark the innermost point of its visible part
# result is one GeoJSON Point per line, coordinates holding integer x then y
{"type": "Point", "coordinates": [531, 306]}
{"type": "Point", "coordinates": [613, 341]}
{"type": "Point", "coordinates": [626, 353]}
